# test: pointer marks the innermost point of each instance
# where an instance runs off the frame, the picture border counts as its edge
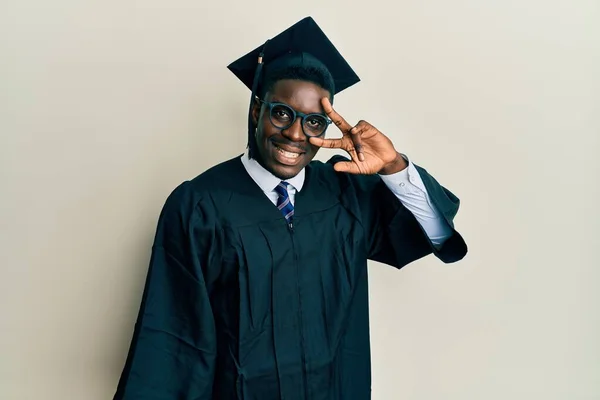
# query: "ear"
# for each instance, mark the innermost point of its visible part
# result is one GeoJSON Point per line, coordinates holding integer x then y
{"type": "Point", "coordinates": [256, 111]}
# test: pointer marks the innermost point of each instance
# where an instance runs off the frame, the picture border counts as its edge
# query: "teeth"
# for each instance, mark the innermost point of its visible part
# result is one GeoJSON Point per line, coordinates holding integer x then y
{"type": "Point", "coordinates": [287, 153]}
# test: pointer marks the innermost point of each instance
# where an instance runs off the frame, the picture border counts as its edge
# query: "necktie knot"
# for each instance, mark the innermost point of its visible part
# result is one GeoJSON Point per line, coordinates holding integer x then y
{"type": "Point", "coordinates": [282, 189]}
{"type": "Point", "coordinates": [283, 202]}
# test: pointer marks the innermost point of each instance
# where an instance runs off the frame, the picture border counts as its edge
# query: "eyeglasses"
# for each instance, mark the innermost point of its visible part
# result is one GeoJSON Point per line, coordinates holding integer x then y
{"type": "Point", "coordinates": [283, 116]}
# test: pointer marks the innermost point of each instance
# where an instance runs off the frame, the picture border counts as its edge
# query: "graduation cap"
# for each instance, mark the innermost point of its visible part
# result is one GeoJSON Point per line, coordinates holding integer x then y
{"type": "Point", "coordinates": [303, 44]}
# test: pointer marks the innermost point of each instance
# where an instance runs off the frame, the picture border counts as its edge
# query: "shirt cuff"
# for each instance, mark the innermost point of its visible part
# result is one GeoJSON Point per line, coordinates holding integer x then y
{"type": "Point", "coordinates": [407, 181]}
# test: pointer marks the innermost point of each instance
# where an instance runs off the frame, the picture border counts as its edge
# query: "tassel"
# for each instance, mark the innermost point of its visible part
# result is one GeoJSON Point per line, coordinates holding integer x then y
{"type": "Point", "coordinates": [257, 73]}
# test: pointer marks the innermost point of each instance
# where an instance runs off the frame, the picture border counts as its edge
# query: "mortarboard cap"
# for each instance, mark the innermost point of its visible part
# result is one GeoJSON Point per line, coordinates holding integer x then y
{"type": "Point", "coordinates": [302, 44]}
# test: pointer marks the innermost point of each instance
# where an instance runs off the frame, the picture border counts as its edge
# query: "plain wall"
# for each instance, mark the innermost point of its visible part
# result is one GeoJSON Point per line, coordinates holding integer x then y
{"type": "Point", "coordinates": [106, 106]}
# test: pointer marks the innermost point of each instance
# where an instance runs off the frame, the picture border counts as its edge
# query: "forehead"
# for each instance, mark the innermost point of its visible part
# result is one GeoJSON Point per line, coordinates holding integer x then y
{"type": "Point", "coordinates": [302, 95]}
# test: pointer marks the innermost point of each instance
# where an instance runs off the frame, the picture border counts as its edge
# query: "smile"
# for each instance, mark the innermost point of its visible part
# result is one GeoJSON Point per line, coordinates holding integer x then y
{"type": "Point", "coordinates": [286, 153]}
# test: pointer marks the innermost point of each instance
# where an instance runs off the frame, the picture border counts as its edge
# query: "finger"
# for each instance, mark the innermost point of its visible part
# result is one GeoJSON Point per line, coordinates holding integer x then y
{"type": "Point", "coordinates": [335, 144]}
{"type": "Point", "coordinates": [356, 136]}
{"type": "Point", "coordinates": [327, 143]}
{"type": "Point", "coordinates": [337, 119]}
{"type": "Point", "coordinates": [347, 166]}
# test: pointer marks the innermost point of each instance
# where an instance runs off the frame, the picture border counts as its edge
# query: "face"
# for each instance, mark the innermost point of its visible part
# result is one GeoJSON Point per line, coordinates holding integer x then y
{"type": "Point", "coordinates": [285, 152]}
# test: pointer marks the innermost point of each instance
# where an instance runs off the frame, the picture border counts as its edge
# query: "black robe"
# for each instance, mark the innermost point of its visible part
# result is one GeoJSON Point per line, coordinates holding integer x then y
{"type": "Point", "coordinates": [238, 305]}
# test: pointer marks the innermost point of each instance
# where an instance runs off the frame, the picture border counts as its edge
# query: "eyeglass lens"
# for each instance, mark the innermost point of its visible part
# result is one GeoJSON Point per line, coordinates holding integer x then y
{"type": "Point", "coordinates": [283, 117]}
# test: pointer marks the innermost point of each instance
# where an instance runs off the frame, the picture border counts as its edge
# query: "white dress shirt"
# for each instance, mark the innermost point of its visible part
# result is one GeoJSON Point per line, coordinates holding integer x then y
{"type": "Point", "coordinates": [407, 185]}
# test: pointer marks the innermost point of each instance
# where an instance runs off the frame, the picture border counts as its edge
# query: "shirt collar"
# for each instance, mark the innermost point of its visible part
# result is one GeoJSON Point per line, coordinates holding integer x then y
{"type": "Point", "coordinates": [266, 180]}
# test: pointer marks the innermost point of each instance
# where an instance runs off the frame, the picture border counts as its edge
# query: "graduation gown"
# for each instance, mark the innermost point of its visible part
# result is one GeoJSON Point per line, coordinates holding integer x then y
{"type": "Point", "coordinates": [238, 305]}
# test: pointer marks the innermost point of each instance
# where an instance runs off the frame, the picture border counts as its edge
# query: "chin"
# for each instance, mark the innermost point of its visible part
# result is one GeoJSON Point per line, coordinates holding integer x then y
{"type": "Point", "coordinates": [283, 172]}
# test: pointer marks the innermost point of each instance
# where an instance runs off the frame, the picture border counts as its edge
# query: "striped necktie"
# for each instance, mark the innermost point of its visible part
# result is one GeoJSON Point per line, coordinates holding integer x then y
{"type": "Point", "coordinates": [283, 202]}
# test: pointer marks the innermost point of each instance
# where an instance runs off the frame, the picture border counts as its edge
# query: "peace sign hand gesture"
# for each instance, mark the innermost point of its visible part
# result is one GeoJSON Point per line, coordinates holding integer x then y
{"type": "Point", "coordinates": [371, 151]}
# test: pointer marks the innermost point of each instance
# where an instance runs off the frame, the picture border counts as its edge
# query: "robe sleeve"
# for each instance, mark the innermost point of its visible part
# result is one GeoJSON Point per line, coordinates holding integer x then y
{"type": "Point", "coordinates": [394, 236]}
{"type": "Point", "coordinates": [172, 353]}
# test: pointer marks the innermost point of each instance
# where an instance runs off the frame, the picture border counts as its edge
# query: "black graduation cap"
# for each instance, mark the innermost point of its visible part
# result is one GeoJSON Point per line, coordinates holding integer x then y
{"type": "Point", "coordinates": [302, 44]}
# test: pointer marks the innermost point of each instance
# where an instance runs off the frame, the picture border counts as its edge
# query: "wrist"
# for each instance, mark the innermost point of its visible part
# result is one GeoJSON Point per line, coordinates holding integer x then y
{"type": "Point", "coordinates": [395, 166]}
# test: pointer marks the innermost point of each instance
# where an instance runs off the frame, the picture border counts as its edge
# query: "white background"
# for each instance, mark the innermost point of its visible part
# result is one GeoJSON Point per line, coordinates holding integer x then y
{"type": "Point", "coordinates": [106, 106]}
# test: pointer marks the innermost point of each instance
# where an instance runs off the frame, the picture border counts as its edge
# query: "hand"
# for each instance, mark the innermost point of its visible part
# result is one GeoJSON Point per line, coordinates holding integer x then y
{"type": "Point", "coordinates": [371, 151]}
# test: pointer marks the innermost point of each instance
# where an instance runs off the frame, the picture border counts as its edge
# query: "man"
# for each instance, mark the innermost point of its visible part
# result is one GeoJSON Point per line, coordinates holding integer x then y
{"type": "Point", "coordinates": [257, 287]}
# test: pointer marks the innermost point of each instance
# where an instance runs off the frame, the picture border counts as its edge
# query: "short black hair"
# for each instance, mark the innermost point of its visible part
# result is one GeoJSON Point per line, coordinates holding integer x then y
{"type": "Point", "coordinates": [318, 76]}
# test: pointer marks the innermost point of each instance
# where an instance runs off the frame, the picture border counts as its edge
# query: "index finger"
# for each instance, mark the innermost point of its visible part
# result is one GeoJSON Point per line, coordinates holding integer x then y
{"type": "Point", "coordinates": [337, 119]}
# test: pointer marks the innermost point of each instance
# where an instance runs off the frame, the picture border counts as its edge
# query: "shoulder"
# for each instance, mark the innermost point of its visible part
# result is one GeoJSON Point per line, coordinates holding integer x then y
{"type": "Point", "coordinates": [199, 196]}
{"type": "Point", "coordinates": [218, 178]}
{"type": "Point", "coordinates": [212, 182]}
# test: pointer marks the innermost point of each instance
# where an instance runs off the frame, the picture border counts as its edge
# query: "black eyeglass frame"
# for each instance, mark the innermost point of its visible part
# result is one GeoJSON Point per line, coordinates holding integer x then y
{"type": "Point", "coordinates": [295, 115]}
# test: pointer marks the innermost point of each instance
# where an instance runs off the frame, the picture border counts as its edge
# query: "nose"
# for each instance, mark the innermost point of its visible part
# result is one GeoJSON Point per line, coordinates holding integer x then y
{"type": "Point", "coordinates": [295, 132]}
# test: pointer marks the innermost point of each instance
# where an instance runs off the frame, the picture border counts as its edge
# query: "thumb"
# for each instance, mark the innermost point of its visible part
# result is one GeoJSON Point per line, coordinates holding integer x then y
{"type": "Point", "coordinates": [328, 143]}
{"type": "Point", "coordinates": [346, 166]}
